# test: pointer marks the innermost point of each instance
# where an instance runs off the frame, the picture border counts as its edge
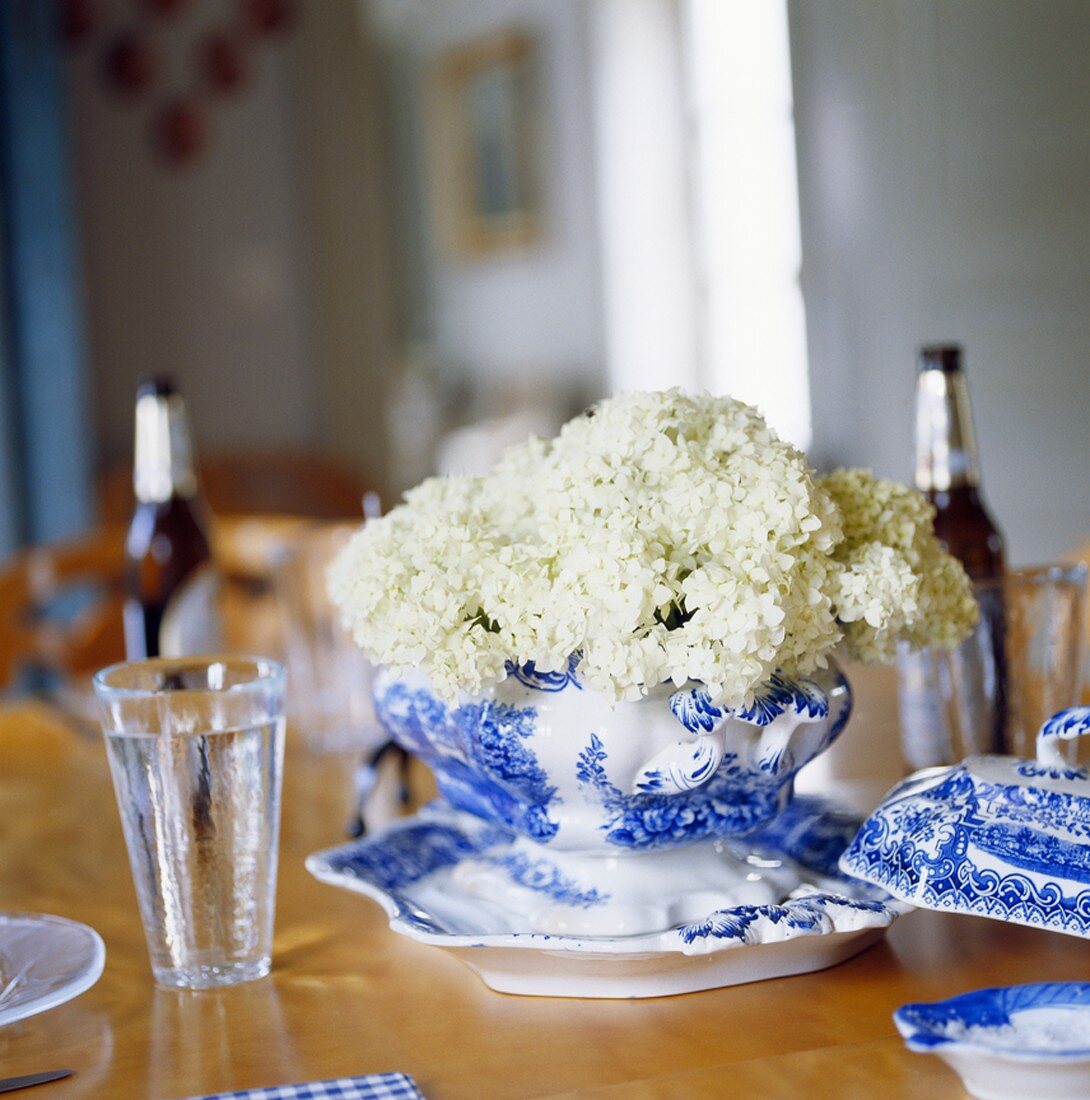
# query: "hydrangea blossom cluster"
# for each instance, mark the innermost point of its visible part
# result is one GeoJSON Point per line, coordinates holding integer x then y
{"type": "Point", "coordinates": [662, 536]}
{"type": "Point", "coordinates": [894, 582]}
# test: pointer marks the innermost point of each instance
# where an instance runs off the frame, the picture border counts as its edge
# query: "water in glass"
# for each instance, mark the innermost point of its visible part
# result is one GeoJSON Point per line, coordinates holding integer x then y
{"type": "Point", "coordinates": [199, 799]}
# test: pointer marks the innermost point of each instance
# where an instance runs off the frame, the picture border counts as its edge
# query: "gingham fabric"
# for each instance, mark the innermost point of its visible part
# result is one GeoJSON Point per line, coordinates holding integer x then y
{"type": "Point", "coordinates": [377, 1086]}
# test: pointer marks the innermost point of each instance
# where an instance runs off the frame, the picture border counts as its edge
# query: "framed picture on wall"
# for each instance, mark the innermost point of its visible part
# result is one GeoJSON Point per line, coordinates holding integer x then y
{"type": "Point", "coordinates": [484, 145]}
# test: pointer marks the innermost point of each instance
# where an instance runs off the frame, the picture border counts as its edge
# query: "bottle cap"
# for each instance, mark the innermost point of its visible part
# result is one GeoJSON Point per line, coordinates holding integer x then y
{"type": "Point", "coordinates": [163, 465]}
{"type": "Point", "coordinates": [944, 357]}
{"type": "Point", "coordinates": [156, 385]}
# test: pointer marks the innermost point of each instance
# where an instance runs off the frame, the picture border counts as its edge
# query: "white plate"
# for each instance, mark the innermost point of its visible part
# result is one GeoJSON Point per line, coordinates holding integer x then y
{"type": "Point", "coordinates": [410, 869]}
{"type": "Point", "coordinates": [45, 961]}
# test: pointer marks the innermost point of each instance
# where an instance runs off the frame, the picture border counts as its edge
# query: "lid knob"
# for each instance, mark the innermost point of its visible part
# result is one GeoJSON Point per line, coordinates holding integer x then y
{"type": "Point", "coordinates": [1064, 726]}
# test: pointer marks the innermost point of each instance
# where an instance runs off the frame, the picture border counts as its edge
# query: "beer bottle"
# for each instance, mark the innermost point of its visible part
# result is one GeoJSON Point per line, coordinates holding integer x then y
{"type": "Point", "coordinates": [947, 468]}
{"type": "Point", "coordinates": [954, 704]}
{"type": "Point", "coordinates": [171, 586]}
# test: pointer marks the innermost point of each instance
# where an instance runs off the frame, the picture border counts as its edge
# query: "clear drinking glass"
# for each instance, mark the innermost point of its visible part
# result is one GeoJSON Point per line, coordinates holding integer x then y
{"type": "Point", "coordinates": [196, 749]}
{"type": "Point", "coordinates": [1020, 665]}
{"type": "Point", "coordinates": [331, 679]}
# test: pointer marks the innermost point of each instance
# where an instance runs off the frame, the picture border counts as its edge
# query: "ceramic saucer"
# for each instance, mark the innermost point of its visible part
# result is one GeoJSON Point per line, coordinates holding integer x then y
{"type": "Point", "coordinates": [1008, 1043]}
{"type": "Point", "coordinates": [45, 961]}
{"type": "Point", "coordinates": [411, 869]}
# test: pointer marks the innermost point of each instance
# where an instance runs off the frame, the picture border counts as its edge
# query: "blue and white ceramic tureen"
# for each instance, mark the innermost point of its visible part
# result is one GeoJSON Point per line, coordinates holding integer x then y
{"type": "Point", "coordinates": [627, 803]}
{"type": "Point", "coordinates": [588, 848]}
{"type": "Point", "coordinates": [994, 836]}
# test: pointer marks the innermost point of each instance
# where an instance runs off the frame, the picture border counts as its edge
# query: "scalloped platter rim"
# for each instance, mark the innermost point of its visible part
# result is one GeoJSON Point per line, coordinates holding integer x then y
{"type": "Point", "coordinates": [407, 867]}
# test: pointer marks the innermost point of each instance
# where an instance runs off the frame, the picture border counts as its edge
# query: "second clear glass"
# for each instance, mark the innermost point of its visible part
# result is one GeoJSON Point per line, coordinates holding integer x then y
{"type": "Point", "coordinates": [331, 678]}
{"type": "Point", "coordinates": [1020, 665]}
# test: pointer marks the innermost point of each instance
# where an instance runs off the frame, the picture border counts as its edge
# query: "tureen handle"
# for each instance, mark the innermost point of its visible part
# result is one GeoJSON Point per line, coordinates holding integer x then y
{"type": "Point", "coordinates": [682, 766]}
{"type": "Point", "coordinates": [1065, 726]}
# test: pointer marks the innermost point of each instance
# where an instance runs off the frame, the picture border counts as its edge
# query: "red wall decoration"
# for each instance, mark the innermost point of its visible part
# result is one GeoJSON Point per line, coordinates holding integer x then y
{"type": "Point", "coordinates": [130, 38]}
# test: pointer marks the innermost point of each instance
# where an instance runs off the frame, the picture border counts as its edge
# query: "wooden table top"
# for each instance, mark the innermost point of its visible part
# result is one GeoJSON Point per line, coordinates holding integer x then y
{"type": "Point", "coordinates": [347, 996]}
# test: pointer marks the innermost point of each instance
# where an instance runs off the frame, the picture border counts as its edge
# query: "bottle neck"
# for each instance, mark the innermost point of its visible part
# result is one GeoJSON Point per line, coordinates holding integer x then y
{"type": "Point", "coordinates": [946, 456]}
{"type": "Point", "coordinates": [163, 466]}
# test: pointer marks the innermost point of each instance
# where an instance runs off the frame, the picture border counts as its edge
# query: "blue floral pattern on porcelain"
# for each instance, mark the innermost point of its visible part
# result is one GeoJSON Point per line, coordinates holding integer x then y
{"type": "Point", "coordinates": [546, 878]}
{"type": "Point", "coordinates": [694, 709]}
{"type": "Point", "coordinates": [543, 756]}
{"type": "Point", "coordinates": [729, 804]}
{"type": "Point", "coordinates": [810, 831]}
{"type": "Point", "coordinates": [1073, 722]}
{"type": "Point", "coordinates": [403, 865]}
{"type": "Point", "coordinates": [988, 1019]}
{"type": "Point", "coordinates": [1009, 1043]}
{"type": "Point", "coordinates": [478, 752]}
{"type": "Point", "coordinates": [532, 677]}
{"type": "Point", "coordinates": [809, 913]}
{"type": "Point", "coordinates": [994, 836]}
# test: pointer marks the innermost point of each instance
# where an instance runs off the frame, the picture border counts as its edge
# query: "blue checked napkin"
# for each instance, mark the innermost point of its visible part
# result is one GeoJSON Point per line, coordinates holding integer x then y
{"type": "Point", "coordinates": [376, 1086]}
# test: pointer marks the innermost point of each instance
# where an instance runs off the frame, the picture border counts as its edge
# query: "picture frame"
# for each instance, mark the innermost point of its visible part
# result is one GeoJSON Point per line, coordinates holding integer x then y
{"type": "Point", "coordinates": [484, 143]}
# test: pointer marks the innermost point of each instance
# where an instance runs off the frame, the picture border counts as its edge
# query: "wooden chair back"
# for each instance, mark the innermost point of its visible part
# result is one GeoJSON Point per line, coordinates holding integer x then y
{"type": "Point", "coordinates": [246, 483]}
{"type": "Point", "coordinates": [61, 605]}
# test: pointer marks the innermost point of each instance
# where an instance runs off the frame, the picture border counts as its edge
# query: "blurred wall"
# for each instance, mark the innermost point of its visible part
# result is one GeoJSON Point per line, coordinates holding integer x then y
{"type": "Point", "coordinates": [194, 271]}
{"type": "Point", "coordinates": [260, 275]}
{"type": "Point", "coordinates": [533, 311]}
{"type": "Point", "coordinates": [346, 188]}
{"type": "Point", "coordinates": [944, 165]}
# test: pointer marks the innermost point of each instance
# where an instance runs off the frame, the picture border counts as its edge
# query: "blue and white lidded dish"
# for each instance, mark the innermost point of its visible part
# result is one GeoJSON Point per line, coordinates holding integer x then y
{"type": "Point", "coordinates": [994, 836]}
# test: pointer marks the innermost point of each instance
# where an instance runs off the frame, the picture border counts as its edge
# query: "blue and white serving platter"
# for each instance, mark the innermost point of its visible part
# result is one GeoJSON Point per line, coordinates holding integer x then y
{"type": "Point", "coordinates": [412, 868]}
{"type": "Point", "coordinates": [1012, 1042]}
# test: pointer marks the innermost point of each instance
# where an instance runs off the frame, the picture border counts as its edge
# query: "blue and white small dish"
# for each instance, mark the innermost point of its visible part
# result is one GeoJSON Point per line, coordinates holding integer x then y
{"type": "Point", "coordinates": [449, 879]}
{"type": "Point", "coordinates": [1010, 1043]}
{"type": "Point", "coordinates": [994, 836]}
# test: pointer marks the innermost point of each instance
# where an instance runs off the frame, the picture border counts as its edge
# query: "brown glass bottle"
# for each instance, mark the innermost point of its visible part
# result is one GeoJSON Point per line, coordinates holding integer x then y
{"type": "Point", "coordinates": [170, 606]}
{"type": "Point", "coordinates": [936, 727]}
{"type": "Point", "coordinates": [947, 468]}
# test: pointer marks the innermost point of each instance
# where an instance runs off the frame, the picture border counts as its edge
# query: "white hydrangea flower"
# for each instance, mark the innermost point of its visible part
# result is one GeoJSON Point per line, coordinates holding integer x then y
{"type": "Point", "coordinates": [894, 582]}
{"type": "Point", "coordinates": [664, 537]}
